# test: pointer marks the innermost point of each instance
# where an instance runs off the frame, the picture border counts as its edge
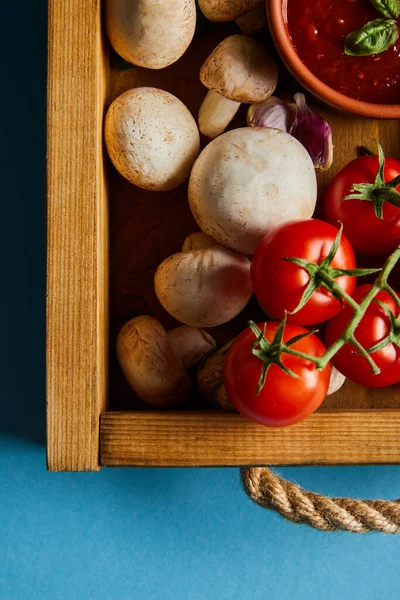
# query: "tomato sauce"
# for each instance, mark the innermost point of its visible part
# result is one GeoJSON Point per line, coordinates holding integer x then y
{"type": "Point", "coordinates": [318, 29]}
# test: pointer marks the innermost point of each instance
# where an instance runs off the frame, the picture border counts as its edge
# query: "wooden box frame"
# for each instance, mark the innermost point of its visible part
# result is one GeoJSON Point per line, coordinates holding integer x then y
{"type": "Point", "coordinates": [81, 434]}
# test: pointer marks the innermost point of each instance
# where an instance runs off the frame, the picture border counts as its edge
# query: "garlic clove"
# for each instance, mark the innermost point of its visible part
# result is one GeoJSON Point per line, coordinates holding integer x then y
{"type": "Point", "coordinates": [272, 112]}
{"type": "Point", "coordinates": [314, 132]}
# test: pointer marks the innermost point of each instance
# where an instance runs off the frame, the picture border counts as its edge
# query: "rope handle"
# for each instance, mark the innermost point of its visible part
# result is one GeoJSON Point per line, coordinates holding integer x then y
{"type": "Point", "coordinates": [273, 492]}
{"type": "Point", "coordinates": [288, 499]}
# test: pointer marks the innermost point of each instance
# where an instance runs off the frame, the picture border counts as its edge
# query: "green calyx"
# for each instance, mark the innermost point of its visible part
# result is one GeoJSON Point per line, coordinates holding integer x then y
{"type": "Point", "coordinates": [379, 191]}
{"type": "Point", "coordinates": [324, 275]}
{"type": "Point", "coordinates": [270, 353]}
{"type": "Point", "coordinates": [393, 336]}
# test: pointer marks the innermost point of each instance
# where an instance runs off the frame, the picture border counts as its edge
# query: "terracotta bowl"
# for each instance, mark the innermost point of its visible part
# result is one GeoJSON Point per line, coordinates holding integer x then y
{"type": "Point", "coordinates": [276, 10]}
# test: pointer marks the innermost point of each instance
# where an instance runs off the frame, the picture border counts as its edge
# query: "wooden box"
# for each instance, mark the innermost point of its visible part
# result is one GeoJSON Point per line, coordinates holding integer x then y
{"type": "Point", "coordinates": [105, 239]}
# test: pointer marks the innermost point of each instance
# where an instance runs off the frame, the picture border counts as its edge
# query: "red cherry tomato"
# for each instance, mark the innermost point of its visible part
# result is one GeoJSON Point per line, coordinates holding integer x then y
{"type": "Point", "coordinates": [367, 234]}
{"type": "Point", "coordinates": [373, 328]}
{"type": "Point", "coordinates": [283, 400]}
{"type": "Point", "coordinates": [279, 285]}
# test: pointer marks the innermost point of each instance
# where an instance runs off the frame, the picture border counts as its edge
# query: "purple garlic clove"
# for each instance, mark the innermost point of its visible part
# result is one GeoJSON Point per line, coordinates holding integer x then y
{"type": "Point", "coordinates": [272, 112]}
{"type": "Point", "coordinates": [313, 131]}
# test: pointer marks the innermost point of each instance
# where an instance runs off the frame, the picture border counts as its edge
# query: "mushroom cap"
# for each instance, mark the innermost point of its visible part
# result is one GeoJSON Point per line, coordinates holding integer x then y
{"type": "Point", "coordinates": [240, 69]}
{"type": "Point", "coordinates": [227, 10]}
{"type": "Point", "coordinates": [204, 288]}
{"type": "Point", "coordinates": [149, 364]}
{"type": "Point", "coordinates": [247, 181]}
{"type": "Point", "coordinates": [151, 138]}
{"type": "Point", "coordinates": [150, 33]}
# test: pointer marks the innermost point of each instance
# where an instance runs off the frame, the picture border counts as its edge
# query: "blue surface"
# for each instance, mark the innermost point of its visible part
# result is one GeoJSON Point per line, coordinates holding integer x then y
{"type": "Point", "coordinates": [139, 534]}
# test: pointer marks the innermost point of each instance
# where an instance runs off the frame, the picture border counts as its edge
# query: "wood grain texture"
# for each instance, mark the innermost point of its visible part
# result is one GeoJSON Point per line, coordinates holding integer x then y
{"type": "Point", "coordinates": [77, 255]}
{"type": "Point", "coordinates": [185, 439]}
{"type": "Point", "coordinates": [145, 227]}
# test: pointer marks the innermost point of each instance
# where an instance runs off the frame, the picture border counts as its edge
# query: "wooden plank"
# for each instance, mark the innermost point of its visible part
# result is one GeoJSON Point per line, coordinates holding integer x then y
{"type": "Point", "coordinates": [188, 439]}
{"type": "Point", "coordinates": [77, 236]}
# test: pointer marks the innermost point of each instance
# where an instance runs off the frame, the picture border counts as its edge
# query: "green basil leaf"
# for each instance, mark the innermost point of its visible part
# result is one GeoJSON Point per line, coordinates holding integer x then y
{"type": "Point", "coordinates": [387, 8]}
{"type": "Point", "coordinates": [375, 37]}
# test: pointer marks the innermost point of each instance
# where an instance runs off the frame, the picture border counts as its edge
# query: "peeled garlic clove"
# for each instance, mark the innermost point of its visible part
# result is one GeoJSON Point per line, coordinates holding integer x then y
{"type": "Point", "coordinates": [335, 382]}
{"type": "Point", "coordinates": [272, 112]}
{"type": "Point", "coordinates": [313, 131]}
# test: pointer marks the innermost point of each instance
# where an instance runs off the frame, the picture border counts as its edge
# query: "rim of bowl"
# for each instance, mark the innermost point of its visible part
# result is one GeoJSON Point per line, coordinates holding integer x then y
{"type": "Point", "coordinates": [280, 34]}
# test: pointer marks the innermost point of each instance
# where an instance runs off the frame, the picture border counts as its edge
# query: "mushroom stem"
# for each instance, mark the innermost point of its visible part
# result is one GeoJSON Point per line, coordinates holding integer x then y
{"type": "Point", "coordinates": [252, 21]}
{"type": "Point", "coordinates": [190, 345]}
{"type": "Point", "coordinates": [215, 114]}
{"type": "Point", "coordinates": [198, 241]}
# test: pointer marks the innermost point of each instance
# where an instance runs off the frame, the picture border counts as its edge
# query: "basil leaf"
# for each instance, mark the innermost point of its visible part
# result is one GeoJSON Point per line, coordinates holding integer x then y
{"type": "Point", "coordinates": [387, 8]}
{"type": "Point", "coordinates": [375, 37]}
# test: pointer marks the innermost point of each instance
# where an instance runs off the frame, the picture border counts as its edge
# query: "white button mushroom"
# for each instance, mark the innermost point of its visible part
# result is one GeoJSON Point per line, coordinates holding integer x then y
{"type": "Point", "coordinates": [239, 70]}
{"type": "Point", "coordinates": [204, 288]}
{"type": "Point", "coordinates": [248, 181]}
{"type": "Point", "coordinates": [190, 344]}
{"type": "Point", "coordinates": [151, 138]}
{"type": "Point", "coordinates": [150, 33]}
{"type": "Point", "coordinates": [154, 362]}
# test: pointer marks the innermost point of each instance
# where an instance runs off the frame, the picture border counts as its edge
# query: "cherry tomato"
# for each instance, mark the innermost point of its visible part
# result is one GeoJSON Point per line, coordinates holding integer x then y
{"type": "Point", "coordinates": [367, 234]}
{"type": "Point", "coordinates": [279, 285]}
{"type": "Point", "coordinates": [373, 328]}
{"type": "Point", "coordinates": [283, 400]}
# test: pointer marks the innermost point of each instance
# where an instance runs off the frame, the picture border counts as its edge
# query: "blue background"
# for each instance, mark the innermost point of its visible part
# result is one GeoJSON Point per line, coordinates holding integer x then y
{"type": "Point", "coordinates": [149, 534]}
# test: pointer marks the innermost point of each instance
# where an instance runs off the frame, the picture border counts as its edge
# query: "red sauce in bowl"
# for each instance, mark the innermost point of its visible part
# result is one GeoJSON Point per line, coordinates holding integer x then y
{"type": "Point", "coordinates": [318, 28]}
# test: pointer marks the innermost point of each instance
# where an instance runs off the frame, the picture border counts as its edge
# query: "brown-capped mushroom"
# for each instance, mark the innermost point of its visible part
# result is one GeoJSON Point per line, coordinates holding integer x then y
{"type": "Point", "coordinates": [151, 138]}
{"type": "Point", "coordinates": [239, 70]}
{"type": "Point", "coordinates": [204, 288]}
{"type": "Point", "coordinates": [210, 379]}
{"type": "Point", "coordinates": [154, 373]}
{"type": "Point", "coordinates": [190, 344]}
{"type": "Point", "coordinates": [150, 33]}
{"type": "Point", "coordinates": [154, 362]}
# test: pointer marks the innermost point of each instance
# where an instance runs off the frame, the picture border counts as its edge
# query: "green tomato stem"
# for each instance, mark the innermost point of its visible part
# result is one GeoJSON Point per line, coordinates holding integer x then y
{"type": "Point", "coordinates": [375, 369]}
{"type": "Point", "coordinates": [335, 287]}
{"type": "Point", "coordinates": [314, 359]}
{"type": "Point", "coordinates": [359, 312]}
{"type": "Point", "coordinates": [393, 294]}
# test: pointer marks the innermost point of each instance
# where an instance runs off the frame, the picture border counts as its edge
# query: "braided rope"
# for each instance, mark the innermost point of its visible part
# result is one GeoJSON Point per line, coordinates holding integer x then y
{"type": "Point", "coordinates": [321, 512]}
{"type": "Point", "coordinates": [288, 499]}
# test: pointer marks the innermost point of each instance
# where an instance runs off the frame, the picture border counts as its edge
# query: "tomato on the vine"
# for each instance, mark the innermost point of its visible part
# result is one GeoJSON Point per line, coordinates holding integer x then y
{"type": "Point", "coordinates": [367, 233]}
{"type": "Point", "coordinates": [283, 399]}
{"type": "Point", "coordinates": [372, 329]}
{"type": "Point", "coordinates": [279, 285]}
